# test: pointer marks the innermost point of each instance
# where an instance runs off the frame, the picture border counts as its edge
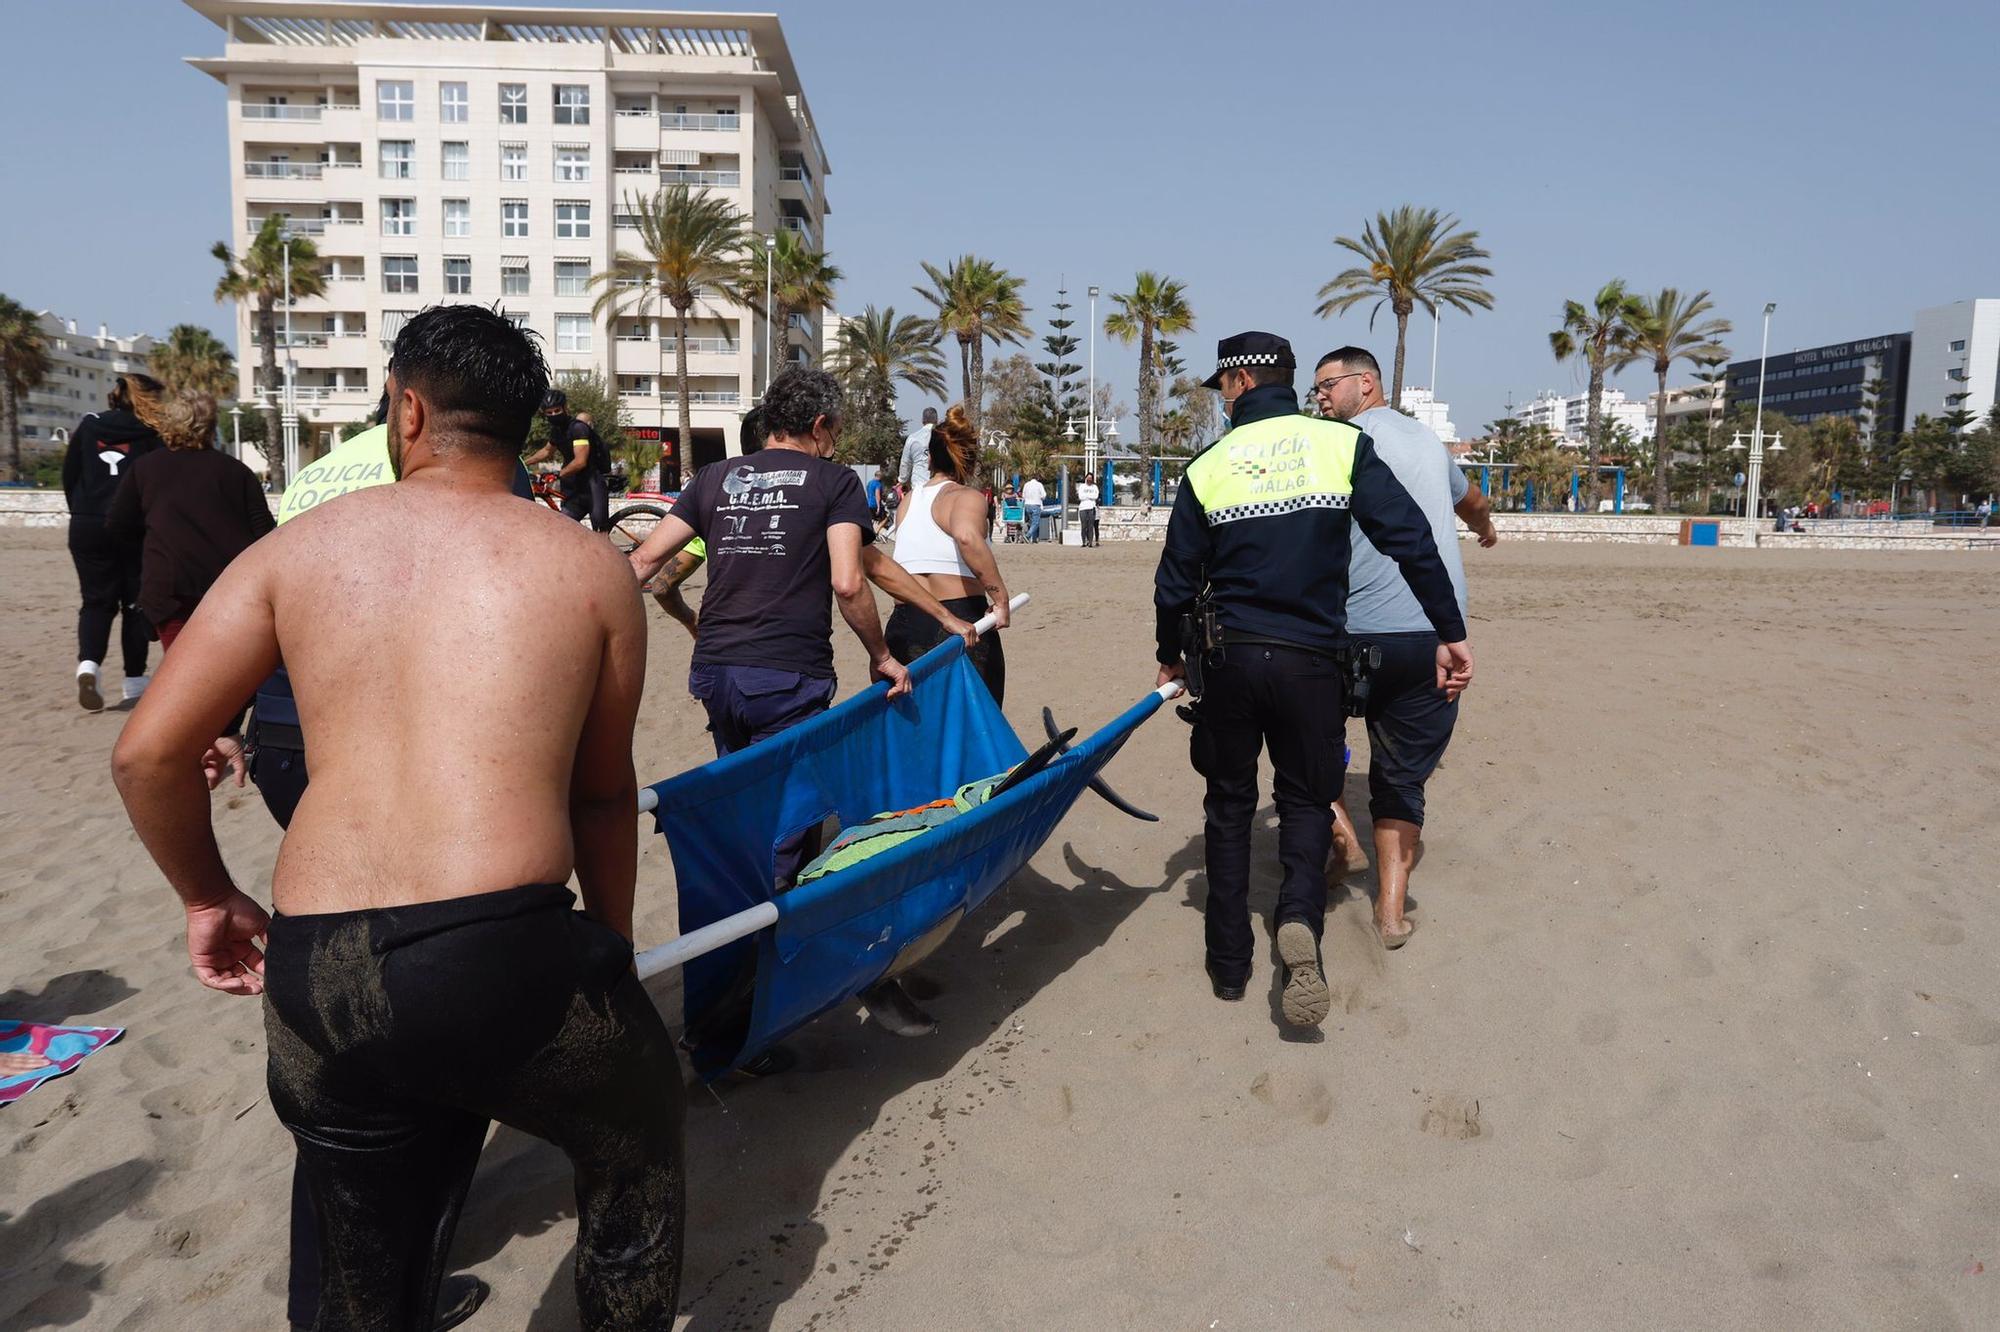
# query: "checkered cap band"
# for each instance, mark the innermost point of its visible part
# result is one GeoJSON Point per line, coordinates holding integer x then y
{"type": "Point", "coordinates": [1276, 508]}
{"type": "Point", "coordinates": [1247, 358]}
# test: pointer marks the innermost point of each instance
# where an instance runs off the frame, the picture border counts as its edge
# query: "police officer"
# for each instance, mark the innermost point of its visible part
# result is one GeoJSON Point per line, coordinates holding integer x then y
{"type": "Point", "coordinates": [586, 462]}
{"type": "Point", "coordinates": [1259, 536]}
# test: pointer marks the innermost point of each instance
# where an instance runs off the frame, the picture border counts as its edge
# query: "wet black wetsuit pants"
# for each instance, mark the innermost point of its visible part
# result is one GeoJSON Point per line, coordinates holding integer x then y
{"type": "Point", "coordinates": [107, 573]}
{"type": "Point", "coordinates": [911, 633]}
{"type": "Point", "coordinates": [1288, 700]}
{"type": "Point", "coordinates": [396, 1034]}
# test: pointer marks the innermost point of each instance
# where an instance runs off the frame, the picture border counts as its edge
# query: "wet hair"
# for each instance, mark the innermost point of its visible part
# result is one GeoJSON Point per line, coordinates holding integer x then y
{"type": "Point", "coordinates": [797, 398]}
{"type": "Point", "coordinates": [184, 420]}
{"type": "Point", "coordinates": [1356, 359]}
{"type": "Point", "coordinates": [475, 370]}
{"type": "Point", "coordinates": [930, 416]}
{"type": "Point", "coordinates": [752, 435]}
{"type": "Point", "coordinates": [955, 447]}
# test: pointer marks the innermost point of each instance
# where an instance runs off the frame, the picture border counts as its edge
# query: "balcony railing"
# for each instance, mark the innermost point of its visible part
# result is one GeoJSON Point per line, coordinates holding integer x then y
{"type": "Point", "coordinates": [304, 226]}
{"type": "Point", "coordinates": [638, 391]}
{"type": "Point", "coordinates": [325, 392]}
{"type": "Point", "coordinates": [798, 173]}
{"type": "Point", "coordinates": [349, 166]}
{"type": "Point", "coordinates": [702, 346]}
{"type": "Point", "coordinates": [344, 277]}
{"type": "Point", "coordinates": [704, 398]}
{"type": "Point", "coordinates": [266, 111]}
{"type": "Point", "coordinates": [645, 170]}
{"type": "Point", "coordinates": [679, 120]}
{"type": "Point", "coordinates": [283, 170]}
{"type": "Point", "coordinates": [797, 224]}
{"type": "Point", "coordinates": [633, 112]}
{"type": "Point", "coordinates": [683, 176]}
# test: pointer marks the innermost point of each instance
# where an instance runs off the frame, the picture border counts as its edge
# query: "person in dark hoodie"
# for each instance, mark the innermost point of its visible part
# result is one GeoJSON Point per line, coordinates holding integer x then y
{"type": "Point", "coordinates": [196, 508]}
{"type": "Point", "coordinates": [101, 447]}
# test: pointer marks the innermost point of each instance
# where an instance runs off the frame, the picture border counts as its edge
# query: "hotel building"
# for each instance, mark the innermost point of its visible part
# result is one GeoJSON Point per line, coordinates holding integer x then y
{"type": "Point", "coordinates": [463, 153]}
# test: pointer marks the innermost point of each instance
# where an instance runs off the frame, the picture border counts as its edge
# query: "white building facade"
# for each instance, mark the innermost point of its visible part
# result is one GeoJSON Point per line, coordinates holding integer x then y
{"type": "Point", "coordinates": [1954, 360]}
{"type": "Point", "coordinates": [81, 368]}
{"type": "Point", "coordinates": [1424, 406]}
{"type": "Point", "coordinates": [438, 153]}
{"type": "Point", "coordinates": [1568, 416]}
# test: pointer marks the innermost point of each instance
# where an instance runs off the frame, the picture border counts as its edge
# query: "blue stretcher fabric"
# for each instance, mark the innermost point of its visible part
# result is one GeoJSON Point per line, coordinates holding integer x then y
{"type": "Point", "coordinates": [838, 934]}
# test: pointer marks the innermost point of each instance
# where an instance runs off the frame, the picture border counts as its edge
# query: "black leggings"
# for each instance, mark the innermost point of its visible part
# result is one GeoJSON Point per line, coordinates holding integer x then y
{"type": "Point", "coordinates": [911, 633]}
{"type": "Point", "coordinates": [396, 1034]}
{"type": "Point", "coordinates": [107, 573]}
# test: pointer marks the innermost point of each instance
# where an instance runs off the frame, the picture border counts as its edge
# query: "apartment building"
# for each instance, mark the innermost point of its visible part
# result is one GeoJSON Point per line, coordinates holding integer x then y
{"type": "Point", "coordinates": [462, 153]}
{"type": "Point", "coordinates": [1422, 404]}
{"type": "Point", "coordinates": [81, 368]}
{"type": "Point", "coordinates": [1828, 381]}
{"type": "Point", "coordinates": [1567, 416]}
{"type": "Point", "coordinates": [1954, 361]}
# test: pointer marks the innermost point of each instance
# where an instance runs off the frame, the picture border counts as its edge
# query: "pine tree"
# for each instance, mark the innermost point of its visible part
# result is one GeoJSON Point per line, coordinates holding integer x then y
{"type": "Point", "coordinates": [1064, 398]}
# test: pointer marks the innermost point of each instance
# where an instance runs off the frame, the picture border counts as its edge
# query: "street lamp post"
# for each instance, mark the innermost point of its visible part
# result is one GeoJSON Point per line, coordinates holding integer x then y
{"type": "Point", "coordinates": [291, 416]}
{"type": "Point", "coordinates": [1436, 315]}
{"type": "Point", "coordinates": [1751, 495]}
{"type": "Point", "coordinates": [770, 254]}
{"type": "Point", "coordinates": [236, 431]}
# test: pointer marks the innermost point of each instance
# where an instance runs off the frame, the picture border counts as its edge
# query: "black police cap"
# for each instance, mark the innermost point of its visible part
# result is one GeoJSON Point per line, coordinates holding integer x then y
{"type": "Point", "coordinates": [1244, 350]}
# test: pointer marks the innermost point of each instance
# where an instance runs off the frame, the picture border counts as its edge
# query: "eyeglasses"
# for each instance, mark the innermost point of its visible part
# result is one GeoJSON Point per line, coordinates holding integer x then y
{"type": "Point", "coordinates": [1322, 387]}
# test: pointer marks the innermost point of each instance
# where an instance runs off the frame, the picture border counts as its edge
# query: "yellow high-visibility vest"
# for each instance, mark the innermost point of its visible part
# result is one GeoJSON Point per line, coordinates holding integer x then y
{"type": "Point", "coordinates": [1275, 466]}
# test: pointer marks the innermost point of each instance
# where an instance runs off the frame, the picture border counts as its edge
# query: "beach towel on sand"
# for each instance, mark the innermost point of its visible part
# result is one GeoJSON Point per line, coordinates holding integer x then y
{"type": "Point", "coordinates": [65, 1047]}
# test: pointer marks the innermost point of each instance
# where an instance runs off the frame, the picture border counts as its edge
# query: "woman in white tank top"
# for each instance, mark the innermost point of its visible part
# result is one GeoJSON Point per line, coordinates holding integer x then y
{"type": "Point", "coordinates": [942, 532]}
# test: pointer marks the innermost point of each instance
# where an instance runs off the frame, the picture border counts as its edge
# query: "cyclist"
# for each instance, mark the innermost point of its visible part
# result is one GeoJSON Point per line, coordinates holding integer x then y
{"type": "Point", "coordinates": [586, 462]}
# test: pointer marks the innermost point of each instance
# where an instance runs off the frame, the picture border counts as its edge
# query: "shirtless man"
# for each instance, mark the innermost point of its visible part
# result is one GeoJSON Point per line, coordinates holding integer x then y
{"type": "Point", "coordinates": [467, 669]}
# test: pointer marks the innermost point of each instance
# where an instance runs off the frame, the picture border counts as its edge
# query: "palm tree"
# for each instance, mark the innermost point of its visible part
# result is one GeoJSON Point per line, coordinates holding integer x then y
{"type": "Point", "coordinates": [977, 302]}
{"type": "Point", "coordinates": [691, 241]}
{"type": "Point", "coordinates": [1156, 306]}
{"type": "Point", "coordinates": [801, 282]}
{"type": "Point", "coordinates": [1415, 256]}
{"type": "Point", "coordinates": [193, 358]}
{"type": "Point", "coordinates": [258, 277]}
{"type": "Point", "coordinates": [1668, 328]}
{"type": "Point", "coordinates": [877, 348]}
{"type": "Point", "coordinates": [24, 364]}
{"type": "Point", "coordinates": [1602, 334]}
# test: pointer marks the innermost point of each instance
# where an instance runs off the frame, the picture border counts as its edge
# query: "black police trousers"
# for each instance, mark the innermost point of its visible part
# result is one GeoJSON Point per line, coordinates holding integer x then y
{"type": "Point", "coordinates": [1289, 700]}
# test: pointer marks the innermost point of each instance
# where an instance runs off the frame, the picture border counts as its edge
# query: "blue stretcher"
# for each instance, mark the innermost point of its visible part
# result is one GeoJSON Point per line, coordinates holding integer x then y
{"type": "Point", "coordinates": [759, 966]}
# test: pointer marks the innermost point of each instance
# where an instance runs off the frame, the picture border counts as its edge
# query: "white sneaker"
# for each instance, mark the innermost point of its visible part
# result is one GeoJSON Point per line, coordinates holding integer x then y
{"type": "Point", "coordinates": [135, 685]}
{"type": "Point", "coordinates": [87, 692]}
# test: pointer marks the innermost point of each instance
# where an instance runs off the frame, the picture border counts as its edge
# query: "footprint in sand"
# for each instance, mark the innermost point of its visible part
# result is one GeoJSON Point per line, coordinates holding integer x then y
{"type": "Point", "coordinates": [1454, 1118]}
{"type": "Point", "coordinates": [1310, 1100]}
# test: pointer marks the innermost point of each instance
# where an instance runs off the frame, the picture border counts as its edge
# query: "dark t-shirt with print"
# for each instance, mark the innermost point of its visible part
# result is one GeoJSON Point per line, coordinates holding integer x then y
{"type": "Point", "coordinates": [769, 600]}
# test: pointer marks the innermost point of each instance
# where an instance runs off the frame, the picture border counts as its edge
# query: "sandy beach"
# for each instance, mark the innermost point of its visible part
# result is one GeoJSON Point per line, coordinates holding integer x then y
{"type": "Point", "coordinates": [1701, 1027]}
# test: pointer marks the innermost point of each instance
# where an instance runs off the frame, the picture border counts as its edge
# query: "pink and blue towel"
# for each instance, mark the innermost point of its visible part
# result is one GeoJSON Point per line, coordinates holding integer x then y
{"type": "Point", "coordinates": [64, 1047]}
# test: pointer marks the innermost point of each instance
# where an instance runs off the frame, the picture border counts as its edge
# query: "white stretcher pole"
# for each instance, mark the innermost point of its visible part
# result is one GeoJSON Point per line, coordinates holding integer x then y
{"type": "Point", "coordinates": [744, 923]}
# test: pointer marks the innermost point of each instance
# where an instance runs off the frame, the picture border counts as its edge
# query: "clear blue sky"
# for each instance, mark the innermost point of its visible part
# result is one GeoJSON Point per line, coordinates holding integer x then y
{"type": "Point", "coordinates": [1837, 162]}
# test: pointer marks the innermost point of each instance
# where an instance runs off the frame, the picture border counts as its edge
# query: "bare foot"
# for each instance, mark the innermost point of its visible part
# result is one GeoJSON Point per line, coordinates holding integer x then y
{"type": "Point", "coordinates": [1395, 933]}
{"type": "Point", "coordinates": [11, 1064]}
{"type": "Point", "coordinates": [1340, 856]}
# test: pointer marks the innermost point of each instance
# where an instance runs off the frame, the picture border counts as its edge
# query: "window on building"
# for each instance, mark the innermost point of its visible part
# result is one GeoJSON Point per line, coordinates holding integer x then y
{"type": "Point", "coordinates": [458, 217]}
{"type": "Point", "coordinates": [513, 103]}
{"type": "Point", "coordinates": [513, 161]}
{"type": "Point", "coordinates": [399, 274]}
{"type": "Point", "coordinates": [572, 164]}
{"type": "Point", "coordinates": [572, 277]}
{"type": "Point", "coordinates": [1958, 345]}
{"type": "Point", "coordinates": [513, 277]}
{"type": "Point", "coordinates": [399, 217]}
{"type": "Point", "coordinates": [457, 162]}
{"type": "Point", "coordinates": [457, 275]}
{"type": "Point", "coordinates": [519, 321]}
{"type": "Point", "coordinates": [572, 104]}
{"type": "Point", "coordinates": [513, 217]}
{"type": "Point", "coordinates": [572, 219]}
{"type": "Point", "coordinates": [572, 333]}
{"type": "Point", "coordinates": [398, 155]}
{"type": "Point", "coordinates": [453, 103]}
{"type": "Point", "coordinates": [395, 100]}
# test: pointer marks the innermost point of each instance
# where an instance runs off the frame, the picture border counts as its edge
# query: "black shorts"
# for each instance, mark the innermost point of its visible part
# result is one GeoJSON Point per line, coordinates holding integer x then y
{"type": "Point", "coordinates": [396, 1034]}
{"type": "Point", "coordinates": [911, 633]}
{"type": "Point", "coordinates": [1409, 724]}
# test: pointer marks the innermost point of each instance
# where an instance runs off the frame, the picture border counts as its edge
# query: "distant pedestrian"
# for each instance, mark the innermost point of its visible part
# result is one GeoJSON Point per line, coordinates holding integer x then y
{"type": "Point", "coordinates": [1086, 510]}
{"type": "Point", "coordinates": [916, 461]}
{"type": "Point", "coordinates": [101, 448]}
{"type": "Point", "coordinates": [1986, 512]}
{"type": "Point", "coordinates": [1033, 496]}
{"type": "Point", "coordinates": [196, 508]}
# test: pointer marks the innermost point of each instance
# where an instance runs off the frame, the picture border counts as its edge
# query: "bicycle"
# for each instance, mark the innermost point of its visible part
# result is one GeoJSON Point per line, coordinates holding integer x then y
{"type": "Point", "coordinates": [629, 525]}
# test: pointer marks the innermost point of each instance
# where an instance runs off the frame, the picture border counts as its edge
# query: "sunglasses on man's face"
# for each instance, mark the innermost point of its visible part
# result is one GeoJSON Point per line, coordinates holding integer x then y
{"type": "Point", "coordinates": [1322, 387]}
